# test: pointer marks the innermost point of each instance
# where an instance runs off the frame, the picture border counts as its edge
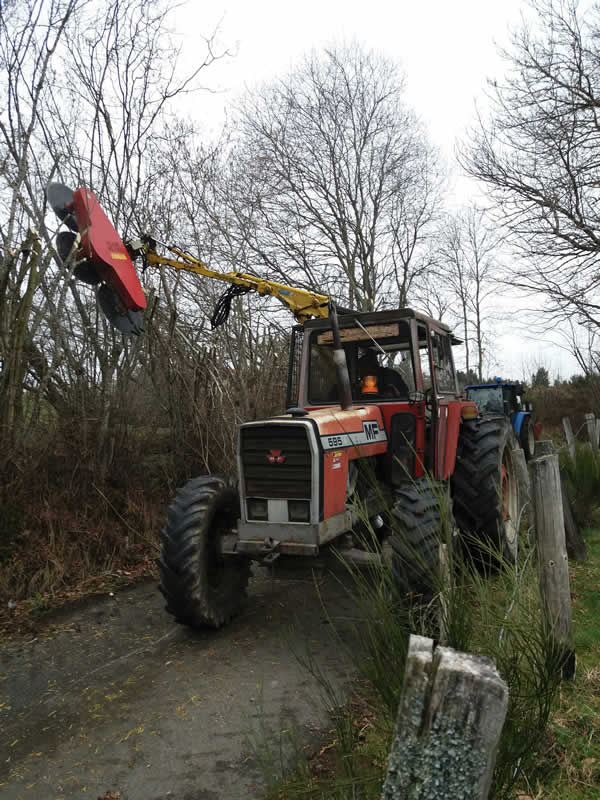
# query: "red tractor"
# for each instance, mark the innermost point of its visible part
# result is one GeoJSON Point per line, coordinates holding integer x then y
{"type": "Point", "coordinates": [302, 484]}
{"type": "Point", "coordinates": [375, 436]}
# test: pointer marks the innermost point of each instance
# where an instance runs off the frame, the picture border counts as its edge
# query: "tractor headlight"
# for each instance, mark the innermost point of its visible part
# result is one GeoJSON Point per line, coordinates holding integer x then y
{"type": "Point", "coordinates": [258, 510]}
{"type": "Point", "coordinates": [299, 510]}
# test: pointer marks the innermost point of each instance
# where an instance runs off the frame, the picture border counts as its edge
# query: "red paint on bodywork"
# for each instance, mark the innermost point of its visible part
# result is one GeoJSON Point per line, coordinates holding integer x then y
{"type": "Point", "coordinates": [332, 422]}
{"type": "Point", "coordinates": [102, 245]}
{"type": "Point", "coordinates": [450, 437]}
{"type": "Point", "coordinates": [335, 481]}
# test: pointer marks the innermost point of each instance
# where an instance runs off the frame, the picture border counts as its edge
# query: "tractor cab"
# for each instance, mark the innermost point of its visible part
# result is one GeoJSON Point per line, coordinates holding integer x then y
{"type": "Point", "coordinates": [400, 361]}
{"type": "Point", "coordinates": [498, 398]}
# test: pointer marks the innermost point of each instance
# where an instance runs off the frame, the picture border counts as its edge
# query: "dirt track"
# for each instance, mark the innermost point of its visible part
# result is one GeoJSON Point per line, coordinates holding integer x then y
{"type": "Point", "coordinates": [115, 697]}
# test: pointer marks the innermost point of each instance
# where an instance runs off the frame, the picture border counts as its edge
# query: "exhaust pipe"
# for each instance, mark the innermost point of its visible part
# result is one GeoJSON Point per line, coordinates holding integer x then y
{"type": "Point", "coordinates": [341, 365]}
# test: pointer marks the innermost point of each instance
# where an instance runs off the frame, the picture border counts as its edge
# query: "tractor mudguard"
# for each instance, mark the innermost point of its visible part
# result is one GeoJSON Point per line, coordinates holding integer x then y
{"type": "Point", "coordinates": [448, 432]}
{"type": "Point", "coordinates": [344, 436]}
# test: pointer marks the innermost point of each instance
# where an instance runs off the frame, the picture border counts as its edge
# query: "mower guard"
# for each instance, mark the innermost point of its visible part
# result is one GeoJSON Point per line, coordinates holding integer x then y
{"type": "Point", "coordinates": [101, 244]}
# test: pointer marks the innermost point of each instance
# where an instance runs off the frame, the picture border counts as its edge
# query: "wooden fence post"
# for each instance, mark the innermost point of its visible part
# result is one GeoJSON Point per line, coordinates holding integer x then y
{"type": "Point", "coordinates": [553, 562]}
{"type": "Point", "coordinates": [524, 482]}
{"type": "Point", "coordinates": [543, 447]}
{"type": "Point", "coordinates": [590, 424]}
{"type": "Point", "coordinates": [448, 727]}
{"type": "Point", "coordinates": [576, 546]}
{"type": "Point", "coordinates": [569, 437]}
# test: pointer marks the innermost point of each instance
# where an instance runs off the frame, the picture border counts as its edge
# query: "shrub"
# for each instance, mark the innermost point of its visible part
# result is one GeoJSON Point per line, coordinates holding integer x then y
{"type": "Point", "coordinates": [573, 399]}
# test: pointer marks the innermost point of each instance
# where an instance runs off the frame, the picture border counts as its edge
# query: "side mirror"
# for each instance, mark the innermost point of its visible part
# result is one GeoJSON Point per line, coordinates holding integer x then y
{"type": "Point", "coordinates": [416, 397]}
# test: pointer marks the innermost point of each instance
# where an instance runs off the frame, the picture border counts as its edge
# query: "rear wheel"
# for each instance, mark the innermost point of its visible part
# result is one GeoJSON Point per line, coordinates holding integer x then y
{"type": "Point", "coordinates": [527, 437]}
{"type": "Point", "coordinates": [485, 490]}
{"type": "Point", "coordinates": [417, 518]}
{"type": "Point", "coordinates": [202, 586]}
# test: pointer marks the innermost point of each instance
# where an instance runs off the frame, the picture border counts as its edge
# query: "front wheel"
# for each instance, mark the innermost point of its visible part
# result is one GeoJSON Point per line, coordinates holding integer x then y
{"type": "Point", "coordinates": [420, 520]}
{"type": "Point", "coordinates": [485, 490]}
{"type": "Point", "coordinates": [202, 586]}
{"type": "Point", "coordinates": [527, 438]}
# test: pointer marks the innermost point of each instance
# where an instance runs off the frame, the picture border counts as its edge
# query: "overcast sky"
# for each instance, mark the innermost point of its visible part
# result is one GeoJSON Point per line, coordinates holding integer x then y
{"type": "Point", "coordinates": [447, 48]}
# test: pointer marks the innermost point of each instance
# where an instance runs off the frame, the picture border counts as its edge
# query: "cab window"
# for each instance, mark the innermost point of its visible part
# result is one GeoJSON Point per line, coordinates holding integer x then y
{"type": "Point", "coordinates": [379, 370]}
{"type": "Point", "coordinates": [443, 365]}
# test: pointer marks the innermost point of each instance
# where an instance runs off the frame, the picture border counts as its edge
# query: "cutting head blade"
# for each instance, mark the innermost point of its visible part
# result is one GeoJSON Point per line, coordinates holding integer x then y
{"type": "Point", "coordinates": [84, 271]}
{"type": "Point", "coordinates": [64, 244]}
{"type": "Point", "coordinates": [124, 320]}
{"type": "Point", "coordinates": [87, 273]}
{"type": "Point", "coordinates": [59, 196]}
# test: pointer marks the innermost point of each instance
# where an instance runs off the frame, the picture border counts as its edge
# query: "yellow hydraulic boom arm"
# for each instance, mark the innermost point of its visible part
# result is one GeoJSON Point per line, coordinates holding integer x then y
{"type": "Point", "coordinates": [302, 303]}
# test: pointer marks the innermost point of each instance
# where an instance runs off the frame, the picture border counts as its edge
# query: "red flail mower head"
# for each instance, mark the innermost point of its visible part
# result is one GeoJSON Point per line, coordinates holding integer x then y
{"type": "Point", "coordinates": [100, 256]}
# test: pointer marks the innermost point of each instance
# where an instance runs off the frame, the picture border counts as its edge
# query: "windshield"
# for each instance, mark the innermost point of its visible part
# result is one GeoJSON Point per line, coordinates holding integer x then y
{"type": "Point", "coordinates": [488, 398]}
{"type": "Point", "coordinates": [377, 375]}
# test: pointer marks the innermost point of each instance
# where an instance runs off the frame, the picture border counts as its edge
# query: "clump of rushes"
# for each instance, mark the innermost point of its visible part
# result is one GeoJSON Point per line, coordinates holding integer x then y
{"type": "Point", "coordinates": [571, 751]}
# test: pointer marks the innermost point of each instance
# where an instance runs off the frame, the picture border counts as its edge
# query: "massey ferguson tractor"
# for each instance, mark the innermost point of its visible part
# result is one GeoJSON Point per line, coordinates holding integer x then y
{"type": "Point", "coordinates": [374, 435]}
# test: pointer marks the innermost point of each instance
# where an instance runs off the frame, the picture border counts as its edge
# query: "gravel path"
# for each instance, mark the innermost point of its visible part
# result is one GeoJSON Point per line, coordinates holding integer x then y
{"type": "Point", "coordinates": [114, 697]}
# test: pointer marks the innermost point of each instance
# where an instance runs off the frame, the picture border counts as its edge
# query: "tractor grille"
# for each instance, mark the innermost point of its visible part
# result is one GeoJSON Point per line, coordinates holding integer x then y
{"type": "Point", "coordinates": [290, 477]}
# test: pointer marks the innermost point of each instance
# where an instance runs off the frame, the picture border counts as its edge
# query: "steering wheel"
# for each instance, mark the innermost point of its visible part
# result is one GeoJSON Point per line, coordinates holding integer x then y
{"type": "Point", "coordinates": [429, 397]}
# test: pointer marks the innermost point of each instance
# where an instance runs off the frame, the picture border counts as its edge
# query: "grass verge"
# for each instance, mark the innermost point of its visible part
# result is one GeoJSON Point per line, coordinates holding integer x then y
{"type": "Point", "coordinates": [550, 745]}
{"type": "Point", "coordinates": [570, 757]}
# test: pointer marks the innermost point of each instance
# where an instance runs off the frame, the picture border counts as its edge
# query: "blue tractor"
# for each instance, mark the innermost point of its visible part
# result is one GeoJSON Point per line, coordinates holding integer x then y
{"type": "Point", "coordinates": [506, 398]}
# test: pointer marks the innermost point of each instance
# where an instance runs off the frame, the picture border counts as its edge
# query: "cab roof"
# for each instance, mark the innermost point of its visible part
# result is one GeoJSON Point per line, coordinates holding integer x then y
{"type": "Point", "coordinates": [508, 384]}
{"type": "Point", "coordinates": [347, 320]}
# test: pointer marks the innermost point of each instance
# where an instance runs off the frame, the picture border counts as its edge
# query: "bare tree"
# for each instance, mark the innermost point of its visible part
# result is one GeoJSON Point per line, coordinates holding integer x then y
{"type": "Point", "coordinates": [481, 248]}
{"type": "Point", "coordinates": [468, 271]}
{"type": "Point", "coordinates": [454, 277]}
{"type": "Point", "coordinates": [89, 91]}
{"type": "Point", "coordinates": [538, 155]}
{"type": "Point", "coordinates": [329, 181]}
{"type": "Point", "coordinates": [30, 35]}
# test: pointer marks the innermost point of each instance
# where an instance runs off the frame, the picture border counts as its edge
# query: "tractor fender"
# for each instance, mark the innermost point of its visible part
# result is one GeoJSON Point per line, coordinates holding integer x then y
{"type": "Point", "coordinates": [344, 436]}
{"type": "Point", "coordinates": [517, 420]}
{"type": "Point", "coordinates": [448, 432]}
